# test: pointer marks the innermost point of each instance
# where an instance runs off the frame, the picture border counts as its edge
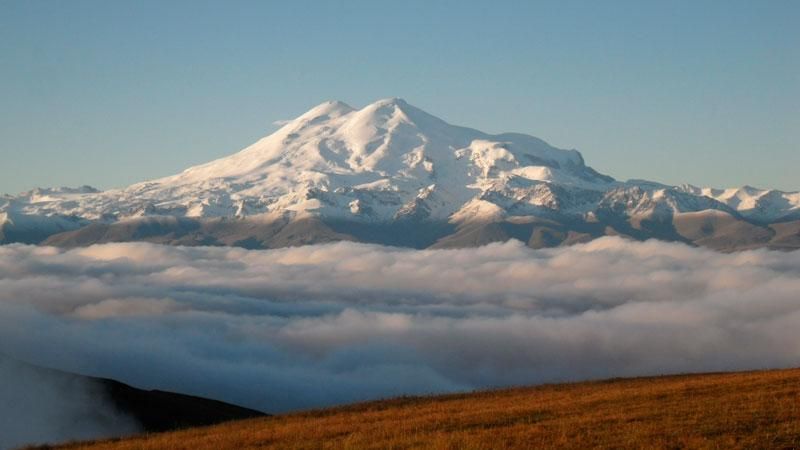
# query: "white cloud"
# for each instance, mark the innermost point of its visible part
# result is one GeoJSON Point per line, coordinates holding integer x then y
{"type": "Point", "coordinates": [318, 325]}
{"type": "Point", "coordinates": [124, 307]}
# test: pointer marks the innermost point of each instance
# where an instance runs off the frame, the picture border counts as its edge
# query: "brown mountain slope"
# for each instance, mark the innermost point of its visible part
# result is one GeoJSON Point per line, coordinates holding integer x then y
{"type": "Point", "coordinates": [733, 410]}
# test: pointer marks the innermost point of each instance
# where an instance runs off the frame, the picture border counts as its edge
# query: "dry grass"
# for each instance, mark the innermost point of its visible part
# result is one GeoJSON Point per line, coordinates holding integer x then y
{"type": "Point", "coordinates": [735, 410]}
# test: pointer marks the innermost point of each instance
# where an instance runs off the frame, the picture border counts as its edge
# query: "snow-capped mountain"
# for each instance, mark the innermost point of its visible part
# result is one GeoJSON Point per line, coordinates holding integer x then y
{"type": "Point", "coordinates": [355, 173]}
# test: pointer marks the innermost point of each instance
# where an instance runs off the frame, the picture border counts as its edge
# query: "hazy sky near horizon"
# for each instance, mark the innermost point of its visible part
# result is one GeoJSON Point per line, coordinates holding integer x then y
{"type": "Point", "coordinates": [110, 93]}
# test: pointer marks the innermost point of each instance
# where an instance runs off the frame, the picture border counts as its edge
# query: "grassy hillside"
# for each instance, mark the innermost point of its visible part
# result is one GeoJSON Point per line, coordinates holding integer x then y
{"type": "Point", "coordinates": [734, 410]}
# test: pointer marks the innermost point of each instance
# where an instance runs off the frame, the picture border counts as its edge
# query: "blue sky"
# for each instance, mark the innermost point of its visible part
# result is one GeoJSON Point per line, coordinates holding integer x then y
{"type": "Point", "coordinates": [109, 93]}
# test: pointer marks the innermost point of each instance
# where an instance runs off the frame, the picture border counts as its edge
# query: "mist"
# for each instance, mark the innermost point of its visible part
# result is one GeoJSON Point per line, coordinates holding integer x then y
{"type": "Point", "coordinates": [294, 328]}
{"type": "Point", "coordinates": [41, 406]}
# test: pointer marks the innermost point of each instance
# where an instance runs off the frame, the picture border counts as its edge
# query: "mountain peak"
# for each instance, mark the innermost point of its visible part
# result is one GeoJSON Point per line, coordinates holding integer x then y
{"type": "Point", "coordinates": [385, 162]}
{"type": "Point", "coordinates": [391, 101]}
{"type": "Point", "coordinates": [330, 108]}
{"type": "Point", "coordinates": [384, 158]}
{"type": "Point", "coordinates": [337, 107]}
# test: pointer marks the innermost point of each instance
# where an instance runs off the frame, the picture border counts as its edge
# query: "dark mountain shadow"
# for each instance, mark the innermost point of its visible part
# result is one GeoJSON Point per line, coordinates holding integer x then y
{"type": "Point", "coordinates": [152, 410]}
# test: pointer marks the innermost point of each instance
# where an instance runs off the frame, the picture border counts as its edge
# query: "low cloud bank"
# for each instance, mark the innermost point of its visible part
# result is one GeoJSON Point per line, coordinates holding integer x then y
{"type": "Point", "coordinates": [311, 326]}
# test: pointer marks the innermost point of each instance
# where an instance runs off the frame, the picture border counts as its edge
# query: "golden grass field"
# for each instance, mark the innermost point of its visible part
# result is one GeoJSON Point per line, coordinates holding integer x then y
{"type": "Point", "coordinates": [730, 410]}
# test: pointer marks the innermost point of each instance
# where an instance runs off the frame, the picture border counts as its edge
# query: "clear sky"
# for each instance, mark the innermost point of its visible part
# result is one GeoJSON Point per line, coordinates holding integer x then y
{"type": "Point", "coordinates": [108, 93]}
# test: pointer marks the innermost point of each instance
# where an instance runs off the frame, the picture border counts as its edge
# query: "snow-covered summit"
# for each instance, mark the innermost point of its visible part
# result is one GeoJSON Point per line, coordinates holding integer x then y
{"type": "Point", "coordinates": [759, 204]}
{"type": "Point", "coordinates": [385, 162]}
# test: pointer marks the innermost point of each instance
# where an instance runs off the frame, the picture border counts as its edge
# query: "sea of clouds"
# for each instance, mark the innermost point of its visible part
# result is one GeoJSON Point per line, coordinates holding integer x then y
{"type": "Point", "coordinates": [302, 327]}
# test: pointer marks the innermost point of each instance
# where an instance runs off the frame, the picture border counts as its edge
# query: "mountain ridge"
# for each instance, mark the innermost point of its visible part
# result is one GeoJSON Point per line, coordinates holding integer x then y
{"type": "Point", "coordinates": [388, 163]}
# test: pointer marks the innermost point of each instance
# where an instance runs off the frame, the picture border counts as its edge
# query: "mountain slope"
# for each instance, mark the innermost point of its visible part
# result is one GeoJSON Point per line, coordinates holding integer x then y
{"type": "Point", "coordinates": [357, 173]}
{"type": "Point", "coordinates": [40, 405]}
{"type": "Point", "coordinates": [734, 410]}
